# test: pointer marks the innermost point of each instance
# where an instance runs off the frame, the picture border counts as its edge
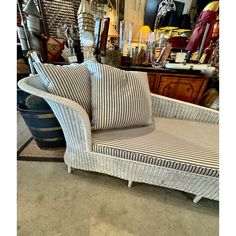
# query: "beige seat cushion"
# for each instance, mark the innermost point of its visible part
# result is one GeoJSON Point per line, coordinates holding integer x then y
{"type": "Point", "coordinates": [178, 144]}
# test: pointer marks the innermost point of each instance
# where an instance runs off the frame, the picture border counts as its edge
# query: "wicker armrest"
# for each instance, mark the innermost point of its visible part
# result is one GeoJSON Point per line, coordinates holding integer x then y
{"type": "Point", "coordinates": [173, 108]}
{"type": "Point", "coordinates": [72, 117]}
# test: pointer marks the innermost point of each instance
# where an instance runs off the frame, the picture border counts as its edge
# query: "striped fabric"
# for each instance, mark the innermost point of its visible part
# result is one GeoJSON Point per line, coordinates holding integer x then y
{"type": "Point", "coordinates": [168, 143]}
{"type": "Point", "coordinates": [119, 98]}
{"type": "Point", "coordinates": [71, 81]}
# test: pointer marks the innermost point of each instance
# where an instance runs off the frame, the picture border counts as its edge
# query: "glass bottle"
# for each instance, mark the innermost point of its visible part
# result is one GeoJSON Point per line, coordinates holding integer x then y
{"type": "Point", "coordinates": [126, 31]}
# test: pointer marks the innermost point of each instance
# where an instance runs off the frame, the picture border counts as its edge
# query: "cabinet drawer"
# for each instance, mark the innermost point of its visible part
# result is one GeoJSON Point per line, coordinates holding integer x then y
{"type": "Point", "coordinates": [182, 88]}
{"type": "Point", "coordinates": [152, 79]}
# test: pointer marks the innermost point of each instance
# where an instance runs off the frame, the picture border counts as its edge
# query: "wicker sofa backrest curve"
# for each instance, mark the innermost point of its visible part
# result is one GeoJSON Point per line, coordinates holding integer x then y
{"type": "Point", "coordinates": [81, 152]}
{"type": "Point", "coordinates": [176, 109]}
{"type": "Point", "coordinates": [65, 110]}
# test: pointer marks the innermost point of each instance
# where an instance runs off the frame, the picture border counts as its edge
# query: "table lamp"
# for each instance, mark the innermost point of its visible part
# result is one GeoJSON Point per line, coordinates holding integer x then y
{"type": "Point", "coordinates": [142, 34]}
{"type": "Point", "coordinates": [112, 34]}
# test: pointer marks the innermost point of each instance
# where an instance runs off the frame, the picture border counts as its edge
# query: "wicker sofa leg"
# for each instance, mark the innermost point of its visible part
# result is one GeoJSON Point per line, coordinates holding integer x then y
{"type": "Point", "coordinates": [197, 198]}
{"type": "Point", "coordinates": [69, 169]}
{"type": "Point", "coordinates": [129, 183]}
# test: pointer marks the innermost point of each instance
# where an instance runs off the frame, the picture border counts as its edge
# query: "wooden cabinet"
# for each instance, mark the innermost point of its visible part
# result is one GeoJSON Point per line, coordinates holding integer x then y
{"type": "Point", "coordinates": [185, 87]}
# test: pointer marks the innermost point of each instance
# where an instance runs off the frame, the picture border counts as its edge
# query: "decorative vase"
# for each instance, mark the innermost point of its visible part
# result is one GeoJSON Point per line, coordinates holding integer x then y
{"type": "Point", "coordinates": [42, 123]}
{"type": "Point", "coordinates": [126, 29]}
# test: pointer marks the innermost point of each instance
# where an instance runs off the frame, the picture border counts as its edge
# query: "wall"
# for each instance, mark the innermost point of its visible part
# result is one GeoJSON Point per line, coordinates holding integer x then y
{"type": "Point", "coordinates": [134, 11]}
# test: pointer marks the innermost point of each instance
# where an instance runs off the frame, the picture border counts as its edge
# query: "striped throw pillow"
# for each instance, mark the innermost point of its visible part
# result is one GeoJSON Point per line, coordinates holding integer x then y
{"type": "Point", "coordinates": [70, 81]}
{"type": "Point", "coordinates": [120, 98]}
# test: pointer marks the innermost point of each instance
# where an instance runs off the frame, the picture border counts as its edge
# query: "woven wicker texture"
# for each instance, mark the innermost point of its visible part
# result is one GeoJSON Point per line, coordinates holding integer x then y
{"type": "Point", "coordinates": [77, 131]}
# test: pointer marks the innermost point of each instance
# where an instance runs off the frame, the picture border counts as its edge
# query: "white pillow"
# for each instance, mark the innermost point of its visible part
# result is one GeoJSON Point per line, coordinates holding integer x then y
{"type": "Point", "coordinates": [71, 81]}
{"type": "Point", "coordinates": [119, 98]}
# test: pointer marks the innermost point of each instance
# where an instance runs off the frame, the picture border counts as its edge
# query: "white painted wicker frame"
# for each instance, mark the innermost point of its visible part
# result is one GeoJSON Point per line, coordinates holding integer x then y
{"type": "Point", "coordinates": [77, 130]}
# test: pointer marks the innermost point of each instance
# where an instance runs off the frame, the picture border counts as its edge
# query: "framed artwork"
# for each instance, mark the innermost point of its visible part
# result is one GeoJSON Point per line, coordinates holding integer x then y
{"type": "Point", "coordinates": [150, 13]}
{"type": "Point", "coordinates": [152, 8]}
{"type": "Point", "coordinates": [179, 7]}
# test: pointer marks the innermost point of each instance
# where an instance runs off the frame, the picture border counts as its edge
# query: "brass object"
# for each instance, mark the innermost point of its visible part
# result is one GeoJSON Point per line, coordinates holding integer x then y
{"type": "Point", "coordinates": [46, 129]}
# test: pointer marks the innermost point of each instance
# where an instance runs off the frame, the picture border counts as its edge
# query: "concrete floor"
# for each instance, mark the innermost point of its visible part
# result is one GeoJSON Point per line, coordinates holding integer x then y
{"type": "Point", "coordinates": [23, 133]}
{"type": "Point", "coordinates": [54, 203]}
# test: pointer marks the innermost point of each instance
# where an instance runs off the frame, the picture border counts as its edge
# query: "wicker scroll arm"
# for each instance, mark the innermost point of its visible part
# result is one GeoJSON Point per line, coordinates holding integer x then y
{"type": "Point", "coordinates": [72, 117]}
{"type": "Point", "coordinates": [176, 109]}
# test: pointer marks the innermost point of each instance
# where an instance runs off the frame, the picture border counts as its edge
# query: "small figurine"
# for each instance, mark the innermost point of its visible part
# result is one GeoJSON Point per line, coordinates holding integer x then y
{"type": "Point", "coordinates": [69, 35]}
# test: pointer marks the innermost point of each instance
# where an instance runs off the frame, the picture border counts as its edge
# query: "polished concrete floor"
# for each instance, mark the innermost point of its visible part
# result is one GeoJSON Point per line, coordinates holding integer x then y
{"type": "Point", "coordinates": [52, 202]}
{"type": "Point", "coordinates": [23, 133]}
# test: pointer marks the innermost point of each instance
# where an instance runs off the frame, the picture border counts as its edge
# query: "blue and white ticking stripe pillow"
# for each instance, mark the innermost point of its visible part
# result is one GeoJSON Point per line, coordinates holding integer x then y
{"type": "Point", "coordinates": [119, 98]}
{"type": "Point", "coordinates": [71, 81]}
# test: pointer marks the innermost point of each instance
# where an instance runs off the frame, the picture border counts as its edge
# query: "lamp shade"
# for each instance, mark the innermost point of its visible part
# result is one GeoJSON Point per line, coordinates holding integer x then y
{"type": "Point", "coordinates": [112, 31]}
{"type": "Point", "coordinates": [169, 21]}
{"type": "Point", "coordinates": [212, 6]}
{"type": "Point", "coordinates": [184, 23]}
{"type": "Point", "coordinates": [142, 34]}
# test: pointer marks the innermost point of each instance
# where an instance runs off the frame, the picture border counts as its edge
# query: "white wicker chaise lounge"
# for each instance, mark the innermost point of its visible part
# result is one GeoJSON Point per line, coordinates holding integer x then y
{"type": "Point", "coordinates": [180, 151]}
